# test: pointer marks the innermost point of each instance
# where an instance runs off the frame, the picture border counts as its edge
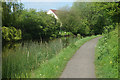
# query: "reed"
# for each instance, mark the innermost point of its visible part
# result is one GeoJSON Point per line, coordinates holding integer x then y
{"type": "Point", "coordinates": [19, 61]}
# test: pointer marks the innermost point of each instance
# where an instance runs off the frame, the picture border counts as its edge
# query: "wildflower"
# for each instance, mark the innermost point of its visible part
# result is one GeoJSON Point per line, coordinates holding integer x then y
{"type": "Point", "coordinates": [56, 66]}
{"type": "Point", "coordinates": [110, 62]}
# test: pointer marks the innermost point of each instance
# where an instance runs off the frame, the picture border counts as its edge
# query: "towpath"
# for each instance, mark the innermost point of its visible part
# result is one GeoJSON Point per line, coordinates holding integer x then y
{"type": "Point", "coordinates": [81, 64]}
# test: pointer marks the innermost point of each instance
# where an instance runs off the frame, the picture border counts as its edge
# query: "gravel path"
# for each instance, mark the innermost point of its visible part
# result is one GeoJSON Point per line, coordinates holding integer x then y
{"type": "Point", "coordinates": [81, 64]}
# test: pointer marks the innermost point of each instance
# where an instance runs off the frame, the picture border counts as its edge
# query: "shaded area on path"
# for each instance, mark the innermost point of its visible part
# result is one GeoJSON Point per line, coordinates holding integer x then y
{"type": "Point", "coordinates": [81, 64]}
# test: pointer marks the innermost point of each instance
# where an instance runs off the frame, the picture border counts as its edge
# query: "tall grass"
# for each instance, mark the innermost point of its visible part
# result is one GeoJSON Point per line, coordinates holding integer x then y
{"type": "Point", "coordinates": [19, 61]}
{"type": "Point", "coordinates": [107, 55]}
{"type": "Point", "coordinates": [55, 66]}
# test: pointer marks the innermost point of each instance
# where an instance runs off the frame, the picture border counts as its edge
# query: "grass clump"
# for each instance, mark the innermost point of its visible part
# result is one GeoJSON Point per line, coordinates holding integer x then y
{"type": "Point", "coordinates": [106, 60]}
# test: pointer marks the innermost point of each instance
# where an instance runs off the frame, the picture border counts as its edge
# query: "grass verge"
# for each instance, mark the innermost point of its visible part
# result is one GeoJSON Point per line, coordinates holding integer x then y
{"type": "Point", "coordinates": [54, 67]}
{"type": "Point", "coordinates": [106, 60]}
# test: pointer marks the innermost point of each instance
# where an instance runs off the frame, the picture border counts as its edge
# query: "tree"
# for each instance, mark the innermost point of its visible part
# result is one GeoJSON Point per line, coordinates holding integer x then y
{"type": "Point", "coordinates": [10, 13]}
{"type": "Point", "coordinates": [90, 18]}
{"type": "Point", "coordinates": [36, 25]}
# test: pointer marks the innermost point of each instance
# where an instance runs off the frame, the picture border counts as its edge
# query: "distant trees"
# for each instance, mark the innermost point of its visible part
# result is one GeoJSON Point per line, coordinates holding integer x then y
{"type": "Point", "coordinates": [34, 25]}
{"type": "Point", "coordinates": [10, 13]}
{"type": "Point", "coordinates": [87, 18]}
{"type": "Point", "coordinates": [82, 18]}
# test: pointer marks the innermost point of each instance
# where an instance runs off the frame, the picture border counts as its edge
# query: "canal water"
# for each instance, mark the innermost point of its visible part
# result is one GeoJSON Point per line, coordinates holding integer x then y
{"type": "Point", "coordinates": [65, 41]}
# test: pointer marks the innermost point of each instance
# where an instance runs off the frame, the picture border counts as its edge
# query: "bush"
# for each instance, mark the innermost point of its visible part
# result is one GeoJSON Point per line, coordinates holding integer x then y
{"type": "Point", "coordinates": [79, 36]}
{"type": "Point", "coordinates": [10, 34]}
{"type": "Point", "coordinates": [109, 28]}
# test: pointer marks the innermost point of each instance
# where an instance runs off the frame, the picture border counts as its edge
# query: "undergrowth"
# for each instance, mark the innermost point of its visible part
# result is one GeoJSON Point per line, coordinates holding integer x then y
{"type": "Point", "coordinates": [107, 55]}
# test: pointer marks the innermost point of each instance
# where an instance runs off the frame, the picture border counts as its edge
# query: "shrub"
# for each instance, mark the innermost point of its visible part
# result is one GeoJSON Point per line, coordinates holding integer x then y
{"type": "Point", "coordinates": [11, 34]}
{"type": "Point", "coordinates": [79, 36]}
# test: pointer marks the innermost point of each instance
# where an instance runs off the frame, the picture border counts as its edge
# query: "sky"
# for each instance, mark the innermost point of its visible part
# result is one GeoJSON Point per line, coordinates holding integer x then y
{"type": "Point", "coordinates": [49, 0]}
{"type": "Point", "coordinates": [52, 4]}
{"type": "Point", "coordinates": [46, 5]}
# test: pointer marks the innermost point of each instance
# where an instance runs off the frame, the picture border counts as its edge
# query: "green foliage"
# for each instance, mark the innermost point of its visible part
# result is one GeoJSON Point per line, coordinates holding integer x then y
{"type": "Point", "coordinates": [10, 13]}
{"type": "Point", "coordinates": [65, 33]}
{"type": "Point", "coordinates": [79, 36]}
{"type": "Point", "coordinates": [36, 25]}
{"type": "Point", "coordinates": [89, 18]}
{"type": "Point", "coordinates": [109, 28]}
{"type": "Point", "coordinates": [11, 34]}
{"type": "Point", "coordinates": [82, 18]}
{"type": "Point", "coordinates": [107, 55]}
